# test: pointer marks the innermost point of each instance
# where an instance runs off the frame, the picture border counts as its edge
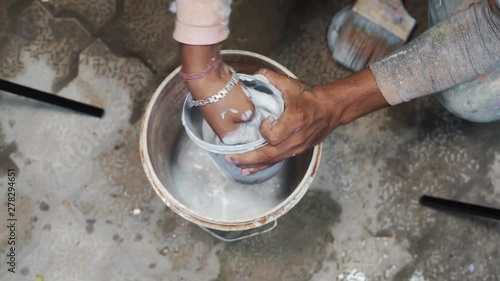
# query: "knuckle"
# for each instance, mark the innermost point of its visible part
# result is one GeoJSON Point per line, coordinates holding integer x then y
{"type": "Point", "coordinates": [262, 71]}
{"type": "Point", "coordinates": [273, 139]}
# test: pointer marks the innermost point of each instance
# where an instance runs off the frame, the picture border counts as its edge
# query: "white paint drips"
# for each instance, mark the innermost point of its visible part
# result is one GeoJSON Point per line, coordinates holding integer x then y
{"type": "Point", "coordinates": [246, 116]}
{"type": "Point", "coordinates": [173, 7]}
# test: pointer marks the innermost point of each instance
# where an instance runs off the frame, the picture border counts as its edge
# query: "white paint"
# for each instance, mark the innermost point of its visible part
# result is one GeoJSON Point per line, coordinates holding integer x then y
{"type": "Point", "coordinates": [201, 187]}
{"type": "Point", "coordinates": [246, 116]}
{"type": "Point", "coordinates": [233, 110]}
{"type": "Point", "coordinates": [266, 105]}
{"type": "Point", "coordinates": [173, 7]}
{"type": "Point", "coordinates": [136, 212]}
{"type": "Point", "coordinates": [223, 115]}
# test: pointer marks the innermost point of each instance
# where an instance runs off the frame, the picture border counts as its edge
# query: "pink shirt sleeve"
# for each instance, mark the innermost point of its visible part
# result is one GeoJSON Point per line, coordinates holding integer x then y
{"type": "Point", "coordinates": [202, 22]}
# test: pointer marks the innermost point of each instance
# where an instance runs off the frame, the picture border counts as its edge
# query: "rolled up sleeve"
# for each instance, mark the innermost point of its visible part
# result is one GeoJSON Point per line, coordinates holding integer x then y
{"type": "Point", "coordinates": [202, 22]}
{"type": "Point", "coordinates": [454, 51]}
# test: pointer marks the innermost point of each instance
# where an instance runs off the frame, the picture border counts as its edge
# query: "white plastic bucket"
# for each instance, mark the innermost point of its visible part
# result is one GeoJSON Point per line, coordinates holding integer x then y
{"type": "Point", "coordinates": [164, 149]}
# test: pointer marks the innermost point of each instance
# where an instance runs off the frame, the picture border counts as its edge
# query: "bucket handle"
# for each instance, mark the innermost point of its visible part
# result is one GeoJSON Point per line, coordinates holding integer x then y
{"type": "Point", "coordinates": [275, 223]}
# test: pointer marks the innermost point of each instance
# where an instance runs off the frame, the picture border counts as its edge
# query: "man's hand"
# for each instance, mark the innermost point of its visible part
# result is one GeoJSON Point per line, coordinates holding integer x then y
{"type": "Point", "coordinates": [311, 113]}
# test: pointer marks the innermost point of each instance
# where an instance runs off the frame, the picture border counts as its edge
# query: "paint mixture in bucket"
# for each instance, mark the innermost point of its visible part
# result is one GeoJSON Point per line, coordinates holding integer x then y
{"type": "Point", "coordinates": [203, 188]}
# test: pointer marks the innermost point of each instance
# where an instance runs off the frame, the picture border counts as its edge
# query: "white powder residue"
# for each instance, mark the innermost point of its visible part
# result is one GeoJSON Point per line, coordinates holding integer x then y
{"type": "Point", "coordinates": [355, 275]}
{"type": "Point", "coordinates": [418, 275]}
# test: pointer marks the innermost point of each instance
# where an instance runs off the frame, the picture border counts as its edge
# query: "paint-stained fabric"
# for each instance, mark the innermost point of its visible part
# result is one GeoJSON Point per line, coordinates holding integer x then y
{"type": "Point", "coordinates": [202, 22]}
{"type": "Point", "coordinates": [454, 51]}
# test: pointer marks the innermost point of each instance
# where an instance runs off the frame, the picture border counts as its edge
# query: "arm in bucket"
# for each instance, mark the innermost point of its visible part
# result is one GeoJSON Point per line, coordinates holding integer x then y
{"type": "Point", "coordinates": [200, 27]}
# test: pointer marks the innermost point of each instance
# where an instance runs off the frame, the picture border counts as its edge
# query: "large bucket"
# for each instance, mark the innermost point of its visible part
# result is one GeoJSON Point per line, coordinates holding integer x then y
{"type": "Point", "coordinates": [191, 186]}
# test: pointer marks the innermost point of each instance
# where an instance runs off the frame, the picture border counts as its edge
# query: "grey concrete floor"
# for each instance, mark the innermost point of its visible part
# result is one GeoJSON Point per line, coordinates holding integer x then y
{"type": "Point", "coordinates": [80, 178]}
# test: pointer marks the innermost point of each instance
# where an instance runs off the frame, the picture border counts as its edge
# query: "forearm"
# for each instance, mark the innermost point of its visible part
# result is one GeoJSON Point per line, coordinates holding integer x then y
{"type": "Point", "coordinates": [195, 59]}
{"type": "Point", "coordinates": [200, 27]}
{"type": "Point", "coordinates": [454, 51]}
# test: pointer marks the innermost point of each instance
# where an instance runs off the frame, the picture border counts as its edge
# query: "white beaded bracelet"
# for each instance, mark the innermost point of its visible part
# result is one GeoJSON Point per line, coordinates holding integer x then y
{"type": "Point", "coordinates": [220, 94]}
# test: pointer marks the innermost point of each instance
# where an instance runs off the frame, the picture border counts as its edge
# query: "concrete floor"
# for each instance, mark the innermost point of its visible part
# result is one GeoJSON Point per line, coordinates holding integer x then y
{"type": "Point", "coordinates": [80, 178]}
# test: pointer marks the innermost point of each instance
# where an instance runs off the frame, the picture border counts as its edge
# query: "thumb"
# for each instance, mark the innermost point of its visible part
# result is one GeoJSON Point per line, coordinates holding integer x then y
{"type": "Point", "coordinates": [274, 78]}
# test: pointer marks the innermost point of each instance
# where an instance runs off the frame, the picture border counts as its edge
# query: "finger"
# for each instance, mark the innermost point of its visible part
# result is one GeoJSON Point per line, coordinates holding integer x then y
{"type": "Point", "coordinates": [262, 156]}
{"type": "Point", "coordinates": [267, 155]}
{"type": "Point", "coordinates": [250, 171]}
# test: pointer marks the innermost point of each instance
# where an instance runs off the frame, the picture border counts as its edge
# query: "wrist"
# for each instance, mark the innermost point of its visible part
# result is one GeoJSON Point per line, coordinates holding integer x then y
{"type": "Point", "coordinates": [357, 95]}
{"type": "Point", "coordinates": [210, 84]}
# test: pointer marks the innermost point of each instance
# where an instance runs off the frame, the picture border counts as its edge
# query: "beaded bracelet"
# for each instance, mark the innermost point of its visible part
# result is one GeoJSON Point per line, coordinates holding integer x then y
{"type": "Point", "coordinates": [202, 74]}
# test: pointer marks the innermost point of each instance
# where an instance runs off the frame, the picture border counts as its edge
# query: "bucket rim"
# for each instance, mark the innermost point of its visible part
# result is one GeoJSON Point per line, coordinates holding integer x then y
{"type": "Point", "coordinates": [190, 215]}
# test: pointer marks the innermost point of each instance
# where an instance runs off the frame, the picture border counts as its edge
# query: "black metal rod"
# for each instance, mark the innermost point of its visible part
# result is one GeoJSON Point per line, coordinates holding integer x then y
{"type": "Point", "coordinates": [50, 98]}
{"type": "Point", "coordinates": [460, 207]}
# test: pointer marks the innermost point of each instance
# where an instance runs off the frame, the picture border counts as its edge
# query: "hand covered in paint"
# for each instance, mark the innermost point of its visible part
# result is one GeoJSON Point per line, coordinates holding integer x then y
{"type": "Point", "coordinates": [227, 114]}
{"type": "Point", "coordinates": [311, 113]}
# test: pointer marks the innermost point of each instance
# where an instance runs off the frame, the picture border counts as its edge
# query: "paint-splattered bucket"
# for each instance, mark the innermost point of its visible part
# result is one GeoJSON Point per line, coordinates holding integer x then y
{"type": "Point", "coordinates": [175, 166]}
{"type": "Point", "coordinates": [197, 130]}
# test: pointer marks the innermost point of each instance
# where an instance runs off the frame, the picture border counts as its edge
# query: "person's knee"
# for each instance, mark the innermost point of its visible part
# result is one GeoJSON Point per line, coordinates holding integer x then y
{"type": "Point", "coordinates": [469, 105]}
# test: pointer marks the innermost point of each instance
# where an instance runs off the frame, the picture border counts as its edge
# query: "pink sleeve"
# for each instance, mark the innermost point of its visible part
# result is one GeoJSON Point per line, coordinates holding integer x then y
{"type": "Point", "coordinates": [202, 22]}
